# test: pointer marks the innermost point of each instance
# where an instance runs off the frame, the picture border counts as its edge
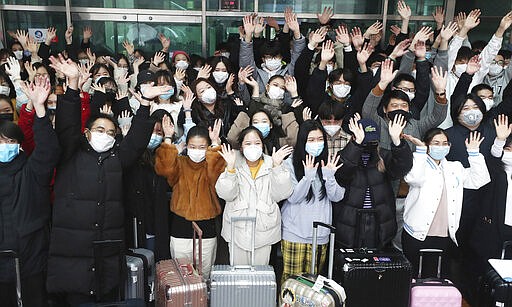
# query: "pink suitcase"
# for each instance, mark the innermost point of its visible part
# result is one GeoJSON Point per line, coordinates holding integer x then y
{"type": "Point", "coordinates": [434, 291]}
{"type": "Point", "coordinates": [179, 282]}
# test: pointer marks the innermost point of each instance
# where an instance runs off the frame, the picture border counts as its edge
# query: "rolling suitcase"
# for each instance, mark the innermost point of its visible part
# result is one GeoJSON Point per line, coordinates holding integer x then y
{"type": "Point", "coordinates": [494, 290]}
{"type": "Point", "coordinates": [311, 289]}
{"type": "Point", "coordinates": [142, 283]}
{"type": "Point", "coordinates": [12, 254]}
{"type": "Point", "coordinates": [434, 291]}
{"type": "Point", "coordinates": [179, 282]}
{"type": "Point", "coordinates": [385, 274]}
{"type": "Point", "coordinates": [243, 285]}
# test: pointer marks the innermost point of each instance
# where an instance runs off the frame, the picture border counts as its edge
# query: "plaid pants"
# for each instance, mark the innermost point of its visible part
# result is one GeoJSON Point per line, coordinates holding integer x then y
{"type": "Point", "coordinates": [297, 258]}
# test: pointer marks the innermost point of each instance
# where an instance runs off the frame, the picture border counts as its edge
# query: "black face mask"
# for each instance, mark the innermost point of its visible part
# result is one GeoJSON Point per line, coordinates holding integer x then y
{"type": "Point", "coordinates": [7, 117]}
{"type": "Point", "coordinates": [370, 147]}
{"type": "Point", "coordinates": [407, 115]}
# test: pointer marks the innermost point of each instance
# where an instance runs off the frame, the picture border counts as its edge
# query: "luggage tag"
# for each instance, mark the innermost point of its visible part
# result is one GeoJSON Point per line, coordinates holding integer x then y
{"type": "Point", "coordinates": [319, 283]}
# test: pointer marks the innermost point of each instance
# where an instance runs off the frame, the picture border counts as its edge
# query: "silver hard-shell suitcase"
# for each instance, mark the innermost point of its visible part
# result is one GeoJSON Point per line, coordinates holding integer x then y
{"type": "Point", "coordinates": [135, 279]}
{"type": "Point", "coordinates": [147, 257]}
{"type": "Point", "coordinates": [12, 254]}
{"type": "Point", "coordinates": [242, 285]}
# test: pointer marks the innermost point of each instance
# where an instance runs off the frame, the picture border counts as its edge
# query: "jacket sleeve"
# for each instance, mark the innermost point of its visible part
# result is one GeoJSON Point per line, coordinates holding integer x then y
{"type": "Point", "coordinates": [505, 107]}
{"type": "Point", "coordinates": [86, 108]}
{"type": "Point", "coordinates": [298, 46]}
{"type": "Point", "coordinates": [291, 128]}
{"type": "Point", "coordinates": [98, 99]}
{"type": "Point", "coordinates": [477, 175]}
{"type": "Point", "coordinates": [441, 59]}
{"type": "Point", "coordinates": [166, 163]}
{"type": "Point", "coordinates": [401, 160]}
{"type": "Point", "coordinates": [422, 87]}
{"type": "Point", "coordinates": [371, 104]}
{"type": "Point", "coordinates": [280, 183]}
{"type": "Point", "coordinates": [350, 59]}
{"type": "Point", "coordinates": [216, 164]}
{"type": "Point", "coordinates": [240, 123]}
{"type": "Point", "coordinates": [284, 43]}
{"type": "Point", "coordinates": [45, 156]}
{"type": "Point", "coordinates": [453, 49]}
{"type": "Point", "coordinates": [350, 156]}
{"type": "Point", "coordinates": [44, 53]}
{"type": "Point", "coordinates": [121, 105]}
{"type": "Point", "coordinates": [460, 91]}
{"type": "Point", "coordinates": [68, 123]}
{"type": "Point", "coordinates": [227, 186]}
{"type": "Point", "coordinates": [316, 85]}
{"type": "Point", "coordinates": [406, 63]}
{"type": "Point", "coordinates": [72, 51]}
{"type": "Point", "coordinates": [137, 139]}
{"type": "Point", "coordinates": [487, 56]}
{"type": "Point", "coordinates": [26, 123]}
{"type": "Point", "coordinates": [435, 118]}
{"type": "Point", "coordinates": [364, 86]}
{"type": "Point", "coordinates": [302, 70]}
{"type": "Point", "coordinates": [247, 56]}
{"type": "Point", "coordinates": [300, 188]}
{"type": "Point", "coordinates": [416, 175]}
{"type": "Point", "coordinates": [334, 191]}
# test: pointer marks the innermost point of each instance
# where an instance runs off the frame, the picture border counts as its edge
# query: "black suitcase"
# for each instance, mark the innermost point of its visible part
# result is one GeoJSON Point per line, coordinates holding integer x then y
{"type": "Point", "coordinates": [494, 291]}
{"type": "Point", "coordinates": [12, 254]}
{"type": "Point", "coordinates": [373, 278]}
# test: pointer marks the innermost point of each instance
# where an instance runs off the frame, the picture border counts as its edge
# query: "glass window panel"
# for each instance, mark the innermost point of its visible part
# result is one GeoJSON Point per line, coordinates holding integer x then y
{"type": "Point", "coordinates": [489, 8]}
{"type": "Point", "coordinates": [108, 36]}
{"type": "Point", "coordinates": [141, 4]}
{"type": "Point", "coordinates": [14, 20]}
{"type": "Point", "coordinates": [340, 6]}
{"type": "Point", "coordinates": [418, 7]}
{"type": "Point", "coordinates": [221, 29]}
{"type": "Point", "coordinates": [245, 5]}
{"type": "Point", "coordinates": [35, 2]}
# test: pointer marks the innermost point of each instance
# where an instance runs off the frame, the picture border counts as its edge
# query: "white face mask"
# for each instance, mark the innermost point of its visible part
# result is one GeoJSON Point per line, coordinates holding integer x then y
{"type": "Point", "coordinates": [101, 142]}
{"type": "Point", "coordinates": [374, 70]}
{"type": "Point", "coordinates": [495, 69]}
{"type": "Point", "coordinates": [410, 95]}
{"type": "Point", "coordinates": [18, 54]}
{"type": "Point", "coordinates": [460, 69]}
{"type": "Point", "coordinates": [220, 76]}
{"type": "Point", "coordinates": [252, 152]}
{"type": "Point", "coordinates": [209, 96]}
{"type": "Point", "coordinates": [225, 54]}
{"type": "Point", "coordinates": [196, 155]}
{"type": "Point", "coordinates": [341, 90]}
{"type": "Point", "coordinates": [84, 61]}
{"type": "Point", "coordinates": [489, 103]}
{"type": "Point", "coordinates": [5, 90]}
{"type": "Point", "coordinates": [329, 68]}
{"type": "Point", "coordinates": [182, 64]}
{"type": "Point", "coordinates": [275, 92]}
{"type": "Point", "coordinates": [273, 64]}
{"type": "Point", "coordinates": [122, 70]}
{"type": "Point", "coordinates": [197, 69]}
{"type": "Point", "coordinates": [332, 129]}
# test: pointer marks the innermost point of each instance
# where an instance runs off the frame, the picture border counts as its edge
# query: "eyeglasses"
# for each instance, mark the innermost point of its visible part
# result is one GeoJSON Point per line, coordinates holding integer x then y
{"type": "Point", "coordinates": [406, 89]}
{"type": "Point", "coordinates": [501, 63]}
{"type": "Point", "coordinates": [111, 133]}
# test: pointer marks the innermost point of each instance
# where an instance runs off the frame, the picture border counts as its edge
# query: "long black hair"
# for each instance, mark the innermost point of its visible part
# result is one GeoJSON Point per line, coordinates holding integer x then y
{"type": "Point", "coordinates": [299, 154]}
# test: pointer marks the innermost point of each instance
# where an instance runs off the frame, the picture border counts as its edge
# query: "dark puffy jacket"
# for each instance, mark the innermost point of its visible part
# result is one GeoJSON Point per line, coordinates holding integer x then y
{"type": "Point", "coordinates": [356, 177]}
{"type": "Point", "coordinates": [88, 202]}
{"type": "Point", "coordinates": [25, 203]}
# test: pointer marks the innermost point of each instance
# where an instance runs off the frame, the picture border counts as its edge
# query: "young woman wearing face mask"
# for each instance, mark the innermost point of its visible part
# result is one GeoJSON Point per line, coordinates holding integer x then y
{"type": "Point", "coordinates": [314, 188]}
{"type": "Point", "coordinates": [192, 178]}
{"type": "Point", "coordinates": [168, 101]}
{"type": "Point", "coordinates": [106, 92]}
{"type": "Point", "coordinates": [493, 225]}
{"type": "Point", "coordinates": [397, 102]}
{"type": "Point", "coordinates": [89, 195]}
{"type": "Point", "coordinates": [25, 202]}
{"type": "Point", "coordinates": [209, 107]}
{"type": "Point", "coordinates": [222, 76]}
{"type": "Point", "coordinates": [273, 136]}
{"type": "Point", "coordinates": [434, 204]}
{"type": "Point", "coordinates": [331, 115]}
{"type": "Point", "coordinates": [252, 185]}
{"type": "Point", "coordinates": [146, 197]}
{"type": "Point", "coordinates": [121, 69]}
{"type": "Point", "coordinates": [366, 215]}
{"type": "Point", "coordinates": [340, 81]}
{"type": "Point", "coordinates": [98, 71]}
{"type": "Point", "coordinates": [180, 59]}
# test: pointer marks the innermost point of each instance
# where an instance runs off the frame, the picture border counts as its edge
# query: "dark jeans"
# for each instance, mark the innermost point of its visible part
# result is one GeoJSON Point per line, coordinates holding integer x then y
{"type": "Point", "coordinates": [33, 292]}
{"type": "Point", "coordinates": [411, 248]}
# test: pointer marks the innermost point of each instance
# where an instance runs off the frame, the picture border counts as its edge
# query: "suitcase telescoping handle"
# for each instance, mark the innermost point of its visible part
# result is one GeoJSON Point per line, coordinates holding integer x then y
{"type": "Point", "coordinates": [135, 233]}
{"type": "Point", "coordinates": [439, 259]}
{"type": "Point", "coordinates": [331, 247]}
{"type": "Point", "coordinates": [506, 245]}
{"type": "Point", "coordinates": [199, 233]}
{"type": "Point", "coordinates": [12, 254]}
{"type": "Point", "coordinates": [234, 220]}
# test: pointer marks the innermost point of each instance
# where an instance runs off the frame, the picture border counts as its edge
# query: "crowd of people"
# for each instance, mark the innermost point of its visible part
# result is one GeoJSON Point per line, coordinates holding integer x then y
{"type": "Point", "coordinates": [400, 144]}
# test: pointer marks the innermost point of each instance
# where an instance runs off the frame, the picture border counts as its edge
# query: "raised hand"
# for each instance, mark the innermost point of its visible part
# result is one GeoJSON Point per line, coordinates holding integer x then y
{"type": "Point", "coordinates": [460, 19]}
{"type": "Point", "coordinates": [98, 88]}
{"type": "Point", "coordinates": [400, 49]}
{"type": "Point", "coordinates": [438, 15]}
{"type": "Point", "coordinates": [404, 10]}
{"type": "Point", "coordinates": [293, 24]}
{"type": "Point", "coordinates": [356, 128]}
{"type": "Point", "coordinates": [29, 69]}
{"type": "Point", "coordinates": [413, 140]}
{"type": "Point", "coordinates": [503, 129]}
{"type": "Point", "coordinates": [244, 73]}
{"type": "Point", "coordinates": [229, 156]}
{"type": "Point", "coordinates": [364, 54]}
{"type": "Point", "coordinates": [167, 127]}
{"type": "Point", "coordinates": [291, 85]}
{"type": "Point", "coordinates": [158, 58]}
{"type": "Point", "coordinates": [150, 92]}
{"type": "Point", "coordinates": [327, 51]}
{"type": "Point", "coordinates": [249, 27]}
{"type": "Point", "coordinates": [473, 65]}
{"type": "Point", "coordinates": [326, 15]}
{"type": "Point", "coordinates": [13, 68]}
{"type": "Point", "coordinates": [130, 49]}
{"type": "Point", "coordinates": [449, 31]}
{"type": "Point", "coordinates": [309, 163]}
{"type": "Point", "coordinates": [91, 55]}
{"type": "Point", "coordinates": [505, 23]}
{"type": "Point", "coordinates": [272, 22]}
{"type": "Point", "coordinates": [121, 93]}
{"type": "Point", "coordinates": [215, 132]}
{"type": "Point", "coordinates": [473, 19]}
{"type": "Point", "coordinates": [125, 121]}
{"type": "Point", "coordinates": [395, 29]}
{"type": "Point", "coordinates": [423, 34]}
{"type": "Point", "coordinates": [107, 110]}
{"type": "Point", "coordinates": [69, 35]}
{"type": "Point", "coordinates": [332, 163]}
{"type": "Point", "coordinates": [38, 92]}
{"type": "Point", "coordinates": [439, 79]}
{"type": "Point", "coordinates": [22, 37]}
{"type": "Point", "coordinates": [50, 35]}
{"type": "Point", "coordinates": [87, 33]}
{"type": "Point", "coordinates": [420, 50]}
{"type": "Point", "coordinates": [188, 97]}
{"type": "Point", "coordinates": [279, 156]}
{"type": "Point", "coordinates": [204, 72]}
{"type": "Point", "coordinates": [306, 114]}
{"type": "Point", "coordinates": [296, 102]}
{"type": "Point", "coordinates": [68, 68]}
{"type": "Point", "coordinates": [32, 46]}
{"type": "Point", "coordinates": [375, 28]}
{"type": "Point", "coordinates": [357, 38]}
{"type": "Point", "coordinates": [317, 36]}
{"type": "Point", "coordinates": [180, 74]}
{"type": "Point", "coordinates": [342, 35]}
{"type": "Point", "coordinates": [259, 26]}
{"type": "Point", "coordinates": [474, 141]}
{"type": "Point", "coordinates": [386, 74]}
{"type": "Point", "coordinates": [396, 126]}
{"type": "Point", "coordinates": [230, 83]}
